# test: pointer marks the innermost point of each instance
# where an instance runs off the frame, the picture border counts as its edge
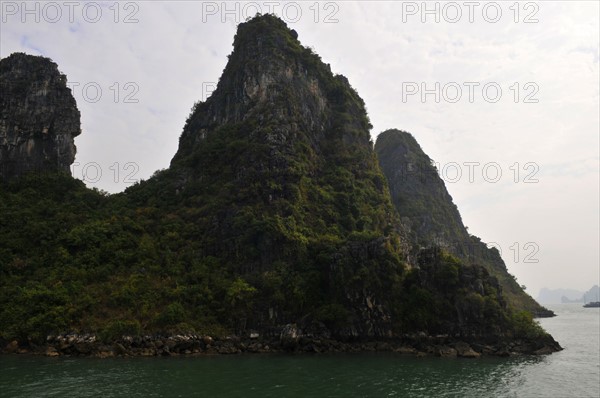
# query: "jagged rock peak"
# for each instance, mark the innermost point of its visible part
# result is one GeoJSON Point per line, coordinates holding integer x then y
{"type": "Point", "coordinates": [418, 191]}
{"type": "Point", "coordinates": [428, 211]}
{"type": "Point", "coordinates": [272, 79]}
{"type": "Point", "coordinates": [39, 118]}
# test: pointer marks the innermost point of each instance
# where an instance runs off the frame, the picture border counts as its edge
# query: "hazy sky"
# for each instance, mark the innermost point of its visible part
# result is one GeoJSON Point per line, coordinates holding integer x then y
{"type": "Point", "coordinates": [503, 95]}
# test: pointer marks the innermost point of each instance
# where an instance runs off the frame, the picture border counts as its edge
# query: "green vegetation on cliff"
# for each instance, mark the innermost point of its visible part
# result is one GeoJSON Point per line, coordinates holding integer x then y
{"type": "Point", "coordinates": [76, 260]}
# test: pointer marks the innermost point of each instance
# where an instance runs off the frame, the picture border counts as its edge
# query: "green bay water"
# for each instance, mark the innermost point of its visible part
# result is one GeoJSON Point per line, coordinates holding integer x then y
{"type": "Point", "coordinates": [573, 372]}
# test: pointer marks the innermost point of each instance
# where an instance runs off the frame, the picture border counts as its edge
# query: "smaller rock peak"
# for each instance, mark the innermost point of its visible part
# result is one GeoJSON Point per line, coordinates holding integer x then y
{"type": "Point", "coordinates": [20, 58]}
{"type": "Point", "coordinates": [265, 30]}
{"type": "Point", "coordinates": [30, 67]}
{"type": "Point", "coordinates": [39, 118]}
{"type": "Point", "coordinates": [395, 136]}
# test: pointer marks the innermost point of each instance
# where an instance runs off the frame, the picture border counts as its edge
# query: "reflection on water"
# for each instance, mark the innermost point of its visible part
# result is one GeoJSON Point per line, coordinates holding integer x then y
{"type": "Point", "coordinates": [266, 376]}
{"type": "Point", "coordinates": [572, 372]}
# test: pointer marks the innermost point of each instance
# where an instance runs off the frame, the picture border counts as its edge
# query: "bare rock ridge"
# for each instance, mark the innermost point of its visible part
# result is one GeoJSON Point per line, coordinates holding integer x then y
{"type": "Point", "coordinates": [282, 92]}
{"type": "Point", "coordinates": [39, 118]}
{"type": "Point", "coordinates": [426, 207]}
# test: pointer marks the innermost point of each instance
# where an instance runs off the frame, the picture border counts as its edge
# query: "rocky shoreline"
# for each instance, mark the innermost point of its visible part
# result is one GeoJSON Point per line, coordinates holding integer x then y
{"type": "Point", "coordinates": [419, 345]}
{"type": "Point", "coordinates": [543, 313]}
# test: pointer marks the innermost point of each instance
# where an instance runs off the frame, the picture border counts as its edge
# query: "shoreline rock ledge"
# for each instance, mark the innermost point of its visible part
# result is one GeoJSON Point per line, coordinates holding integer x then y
{"type": "Point", "coordinates": [88, 345]}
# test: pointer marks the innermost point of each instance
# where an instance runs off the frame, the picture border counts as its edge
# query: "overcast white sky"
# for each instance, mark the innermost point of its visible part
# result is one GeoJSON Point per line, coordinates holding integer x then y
{"type": "Point", "coordinates": [153, 60]}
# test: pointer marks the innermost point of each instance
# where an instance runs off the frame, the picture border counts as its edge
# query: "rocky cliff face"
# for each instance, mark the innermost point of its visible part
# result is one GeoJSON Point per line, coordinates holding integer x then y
{"type": "Point", "coordinates": [279, 169]}
{"type": "Point", "coordinates": [283, 95]}
{"type": "Point", "coordinates": [39, 118]}
{"type": "Point", "coordinates": [426, 207]}
{"type": "Point", "coordinates": [419, 193]}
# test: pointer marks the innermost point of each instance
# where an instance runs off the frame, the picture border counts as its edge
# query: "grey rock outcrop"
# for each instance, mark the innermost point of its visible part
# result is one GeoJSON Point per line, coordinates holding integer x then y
{"type": "Point", "coordinates": [286, 91]}
{"type": "Point", "coordinates": [427, 209]}
{"type": "Point", "coordinates": [39, 118]}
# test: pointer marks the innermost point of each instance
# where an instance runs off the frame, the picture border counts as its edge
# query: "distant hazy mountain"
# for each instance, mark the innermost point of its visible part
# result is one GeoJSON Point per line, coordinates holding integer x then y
{"type": "Point", "coordinates": [592, 295]}
{"type": "Point", "coordinates": [557, 296]}
{"type": "Point", "coordinates": [554, 296]}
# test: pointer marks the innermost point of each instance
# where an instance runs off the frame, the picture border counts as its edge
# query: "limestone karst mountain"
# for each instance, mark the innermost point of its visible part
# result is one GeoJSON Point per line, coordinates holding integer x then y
{"type": "Point", "coordinates": [39, 118]}
{"type": "Point", "coordinates": [279, 168]}
{"type": "Point", "coordinates": [421, 198]}
{"type": "Point", "coordinates": [274, 220]}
